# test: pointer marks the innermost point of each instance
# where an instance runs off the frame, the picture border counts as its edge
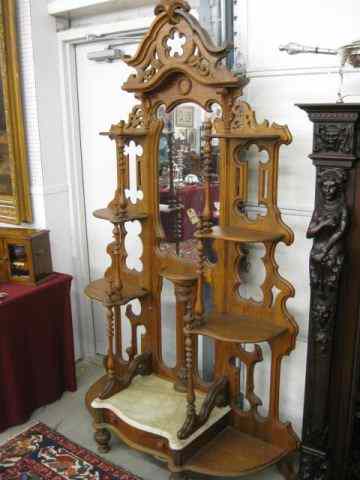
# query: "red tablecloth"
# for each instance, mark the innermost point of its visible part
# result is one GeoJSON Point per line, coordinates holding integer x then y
{"type": "Point", "coordinates": [36, 347]}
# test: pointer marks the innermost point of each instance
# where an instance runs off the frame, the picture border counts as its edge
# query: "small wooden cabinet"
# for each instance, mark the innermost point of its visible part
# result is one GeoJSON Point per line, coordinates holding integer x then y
{"type": "Point", "coordinates": [25, 255]}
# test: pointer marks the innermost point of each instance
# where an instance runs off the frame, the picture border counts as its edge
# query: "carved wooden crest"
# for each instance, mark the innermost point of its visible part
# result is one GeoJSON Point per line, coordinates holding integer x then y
{"type": "Point", "coordinates": [175, 44]}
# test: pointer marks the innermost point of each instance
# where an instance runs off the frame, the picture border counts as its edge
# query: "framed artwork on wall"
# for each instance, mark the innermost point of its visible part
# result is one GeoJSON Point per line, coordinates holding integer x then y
{"type": "Point", "coordinates": [15, 205]}
{"type": "Point", "coordinates": [184, 117]}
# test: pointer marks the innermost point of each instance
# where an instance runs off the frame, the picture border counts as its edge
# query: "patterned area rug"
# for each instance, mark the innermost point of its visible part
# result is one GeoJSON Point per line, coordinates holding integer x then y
{"type": "Point", "coordinates": [40, 453]}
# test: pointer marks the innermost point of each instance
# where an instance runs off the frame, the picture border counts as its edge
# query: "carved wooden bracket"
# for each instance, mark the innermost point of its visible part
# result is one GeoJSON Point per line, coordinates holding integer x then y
{"type": "Point", "coordinates": [218, 396]}
{"type": "Point", "coordinates": [141, 365]}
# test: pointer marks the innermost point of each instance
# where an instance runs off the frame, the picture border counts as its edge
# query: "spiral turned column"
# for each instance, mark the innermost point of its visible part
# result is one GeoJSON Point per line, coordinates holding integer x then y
{"type": "Point", "coordinates": [207, 163]}
{"type": "Point", "coordinates": [113, 382]}
{"type": "Point", "coordinates": [191, 416]}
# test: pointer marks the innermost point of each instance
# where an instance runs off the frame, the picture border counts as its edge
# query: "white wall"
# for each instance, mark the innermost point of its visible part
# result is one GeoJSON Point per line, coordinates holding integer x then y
{"type": "Point", "coordinates": [277, 83]}
{"type": "Point", "coordinates": [44, 133]}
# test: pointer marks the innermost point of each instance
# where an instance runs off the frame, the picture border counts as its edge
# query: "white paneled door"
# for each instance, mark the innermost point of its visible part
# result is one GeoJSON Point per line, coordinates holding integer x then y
{"type": "Point", "coordinates": [101, 104]}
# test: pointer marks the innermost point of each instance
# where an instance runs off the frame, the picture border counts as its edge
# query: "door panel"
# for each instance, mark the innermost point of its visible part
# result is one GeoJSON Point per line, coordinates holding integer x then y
{"type": "Point", "coordinates": [101, 104]}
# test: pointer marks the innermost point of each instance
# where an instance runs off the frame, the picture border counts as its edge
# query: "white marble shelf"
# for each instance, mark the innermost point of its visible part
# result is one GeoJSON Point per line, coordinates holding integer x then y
{"type": "Point", "coordinates": [152, 405]}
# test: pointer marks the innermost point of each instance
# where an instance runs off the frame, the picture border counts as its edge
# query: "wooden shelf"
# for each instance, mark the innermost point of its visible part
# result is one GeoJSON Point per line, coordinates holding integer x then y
{"type": "Point", "coordinates": [232, 453]}
{"type": "Point", "coordinates": [249, 136]}
{"type": "Point", "coordinates": [240, 329]}
{"type": "Point", "coordinates": [179, 277]}
{"type": "Point", "coordinates": [240, 235]}
{"type": "Point", "coordinates": [109, 214]}
{"type": "Point", "coordinates": [97, 291]}
{"type": "Point", "coordinates": [128, 133]}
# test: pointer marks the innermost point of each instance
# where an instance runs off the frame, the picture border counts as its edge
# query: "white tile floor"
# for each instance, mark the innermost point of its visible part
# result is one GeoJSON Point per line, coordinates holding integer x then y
{"type": "Point", "coordinates": [69, 417]}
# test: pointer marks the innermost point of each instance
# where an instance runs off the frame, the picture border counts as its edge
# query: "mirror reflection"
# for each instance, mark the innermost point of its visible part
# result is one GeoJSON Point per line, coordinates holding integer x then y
{"type": "Point", "coordinates": [181, 181]}
{"type": "Point", "coordinates": [257, 179]}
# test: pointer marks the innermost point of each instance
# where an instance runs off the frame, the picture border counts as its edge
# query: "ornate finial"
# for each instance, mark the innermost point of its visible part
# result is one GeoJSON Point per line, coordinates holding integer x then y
{"type": "Point", "coordinates": [169, 7]}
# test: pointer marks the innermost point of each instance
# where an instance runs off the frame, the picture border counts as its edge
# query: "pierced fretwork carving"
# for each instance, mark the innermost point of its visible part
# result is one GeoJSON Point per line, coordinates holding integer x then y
{"type": "Point", "coordinates": [249, 359]}
{"type": "Point", "coordinates": [136, 321]}
{"type": "Point", "coordinates": [136, 118]}
{"type": "Point", "coordinates": [198, 57]}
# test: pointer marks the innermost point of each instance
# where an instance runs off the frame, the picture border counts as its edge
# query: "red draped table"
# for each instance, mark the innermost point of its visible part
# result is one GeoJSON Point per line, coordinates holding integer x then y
{"type": "Point", "coordinates": [37, 361]}
{"type": "Point", "coordinates": [189, 196]}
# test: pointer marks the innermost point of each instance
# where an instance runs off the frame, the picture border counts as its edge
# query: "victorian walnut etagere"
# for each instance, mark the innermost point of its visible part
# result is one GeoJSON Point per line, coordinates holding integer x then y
{"type": "Point", "coordinates": [173, 413]}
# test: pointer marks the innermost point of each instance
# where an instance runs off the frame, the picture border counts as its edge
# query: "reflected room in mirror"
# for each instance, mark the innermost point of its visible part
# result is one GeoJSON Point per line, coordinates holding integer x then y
{"type": "Point", "coordinates": [181, 177]}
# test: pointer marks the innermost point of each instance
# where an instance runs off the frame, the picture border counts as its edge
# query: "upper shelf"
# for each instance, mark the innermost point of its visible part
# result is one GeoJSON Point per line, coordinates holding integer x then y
{"type": "Point", "coordinates": [248, 136]}
{"type": "Point", "coordinates": [108, 214]}
{"type": "Point", "coordinates": [239, 234]}
{"type": "Point", "coordinates": [175, 277]}
{"type": "Point", "coordinates": [97, 291]}
{"type": "Point", "coordinates": [240, 329]}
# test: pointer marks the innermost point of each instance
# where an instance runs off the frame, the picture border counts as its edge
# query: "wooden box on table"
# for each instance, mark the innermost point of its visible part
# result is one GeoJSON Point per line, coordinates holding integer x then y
{"type": "Point", "coordinates": [25, 255]}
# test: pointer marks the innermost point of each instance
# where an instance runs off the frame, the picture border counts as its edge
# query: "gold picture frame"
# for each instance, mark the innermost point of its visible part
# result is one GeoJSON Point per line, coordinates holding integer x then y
{"type": "Point", "coordinates": [15, 203]}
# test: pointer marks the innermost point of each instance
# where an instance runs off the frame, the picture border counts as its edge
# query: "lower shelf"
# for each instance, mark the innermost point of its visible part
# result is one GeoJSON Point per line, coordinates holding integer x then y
{"type": "Point", "coordinates": [232, 453]}
{"type": "Point", "coordinates": [229, 327]}
{"type": "Point", "coordinates": [97, 291]}
{"type": "Point", "coordinates": [152, 405]}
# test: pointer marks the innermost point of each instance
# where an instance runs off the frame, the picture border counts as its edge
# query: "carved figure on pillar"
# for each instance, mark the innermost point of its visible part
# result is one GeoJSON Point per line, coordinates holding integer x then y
{"type": "Point", "coordinates": [333, 362]}
{"type": "Point", "coordinates": [327, 228]}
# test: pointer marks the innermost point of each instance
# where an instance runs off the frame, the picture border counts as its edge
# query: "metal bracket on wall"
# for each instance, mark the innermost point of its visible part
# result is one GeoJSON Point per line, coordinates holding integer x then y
{"type": "Point", "coordinates": [109, 54]}
{"type": "Point", "coordinates": [113, 51]}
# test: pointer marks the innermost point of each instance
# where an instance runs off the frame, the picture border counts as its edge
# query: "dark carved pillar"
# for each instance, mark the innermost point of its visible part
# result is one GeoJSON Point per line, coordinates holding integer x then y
{"type": "Point", "coordinates": [332, 364]}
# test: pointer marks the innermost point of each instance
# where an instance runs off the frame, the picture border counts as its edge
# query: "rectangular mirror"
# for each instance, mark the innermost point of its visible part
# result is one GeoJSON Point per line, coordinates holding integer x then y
{"type": "Point", "coordinates": [15, 205]}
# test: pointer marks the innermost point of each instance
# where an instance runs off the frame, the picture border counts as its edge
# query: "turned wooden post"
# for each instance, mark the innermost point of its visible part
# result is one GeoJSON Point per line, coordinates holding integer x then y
{"type": "Point", "coordinates": [199, 309]}
{"type": "Point", "coordinates": [121, 171]}
{"type": "Point", "coordinates": [207, 159]}
{"type": "Point", "coordinates": [113, 382]}
{"type": "Point", "coordinates": [181, 384]}
{"type": "Point", "coordinates": [330, 448]}
{"type": "Point", "coordinates": [118, 254]}
{"type": "Point", "coordinates": [118, 331]}
{"type": "Point", "coordinates": [191, 417]}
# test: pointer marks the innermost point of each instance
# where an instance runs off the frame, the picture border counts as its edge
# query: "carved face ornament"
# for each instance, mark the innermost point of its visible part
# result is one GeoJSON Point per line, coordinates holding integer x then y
{"type": "Point", "coordinates": [331, 135]}
{"type": "Point", "coordinates": [331, 184]}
